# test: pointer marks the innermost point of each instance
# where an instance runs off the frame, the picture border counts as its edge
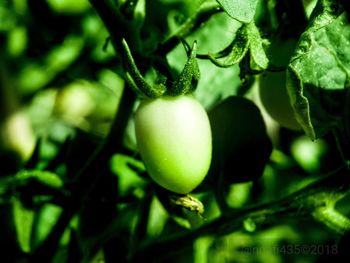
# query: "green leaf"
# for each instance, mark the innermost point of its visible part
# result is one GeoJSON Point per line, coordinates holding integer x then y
{"type": "Point", "coordinates": [241, 10]}
{"type": "Point", "coordinates": [259, 60]}
{"type": "Point", "coordinates": [45, 219]}
{"type": "Point", "coordinates": [318, 74]}
{"type": "Point", "coordinates": [28, 178]}
{"type": "Point", "coordinates": [127, 169]}
{"type": "Point", "coordinates": [46, 178]}
{"type": "Point", "coordinates": [23, 219]}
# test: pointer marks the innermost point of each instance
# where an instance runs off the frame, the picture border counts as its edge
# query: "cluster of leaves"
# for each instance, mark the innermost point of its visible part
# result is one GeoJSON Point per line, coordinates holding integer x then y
{"type": "Point", "coordinates": [72, 185]}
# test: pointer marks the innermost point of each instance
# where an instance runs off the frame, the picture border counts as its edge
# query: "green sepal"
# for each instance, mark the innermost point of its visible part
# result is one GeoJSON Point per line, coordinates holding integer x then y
{"type": "Point", "coordinates": [188, 202]}
{"type": "Point", "coordinates": [189, 76]}
{"type": "Point", "coordinates": [135, 78]}
{"type": "Point", "coordinates": [247, 39]}
{"type": "Point", "coordinates": [233, 53]}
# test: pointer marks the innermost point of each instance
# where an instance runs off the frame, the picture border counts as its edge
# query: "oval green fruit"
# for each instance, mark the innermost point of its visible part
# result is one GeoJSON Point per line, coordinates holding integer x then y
{"type": "Point", "coordinates": [173, 136]}
{"type": "Point", "coordinates": [272, 86]}
{"type": "Point", "coordinates": [241, 146]}
{"type": "Point", "coordinates": [275, 99]}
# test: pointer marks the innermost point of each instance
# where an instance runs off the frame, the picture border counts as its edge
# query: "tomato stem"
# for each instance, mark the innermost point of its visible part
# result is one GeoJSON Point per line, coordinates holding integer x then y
{"type": "Point", "coordinates": [304, 202]}
{"type": "Point", "coordinates": [205, 12]}
{"type": "Point", "coordinates": [332, 219]}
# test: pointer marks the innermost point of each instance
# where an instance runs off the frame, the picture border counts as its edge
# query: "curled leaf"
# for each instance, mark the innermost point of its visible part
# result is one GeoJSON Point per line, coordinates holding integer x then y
{"type": "Point", "coordinates": [319, 73]}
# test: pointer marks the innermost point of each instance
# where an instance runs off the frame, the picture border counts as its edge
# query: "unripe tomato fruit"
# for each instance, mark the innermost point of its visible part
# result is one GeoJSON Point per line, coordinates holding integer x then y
{"type": "Point", "coordinates": [275, 99]}
{"type": "Point", "coordinates": [174, 139]}
{"type": "Point", "coordinates": [241, 147]}
{"type": "Point", "coordinates": [272, 86]}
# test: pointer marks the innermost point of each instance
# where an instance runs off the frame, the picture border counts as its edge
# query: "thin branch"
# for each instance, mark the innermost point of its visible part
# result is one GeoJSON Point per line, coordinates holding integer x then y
{"type": "Point", "coordinates": [89, 173]}
{"type": "Point", "coordinates": [117, 27]}
{"type": "Point", "coordinates": [299, 204]}
{"type": "Point", "coordinates": [204, 13]}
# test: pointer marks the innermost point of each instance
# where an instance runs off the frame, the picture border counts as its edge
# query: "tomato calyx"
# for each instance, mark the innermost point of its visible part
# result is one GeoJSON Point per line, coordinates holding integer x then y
{"type": "Point", "coordinates": [186, 82]}
{"type": "Point", "coordinates": [188, 202]}
{"type": "Point", "coordinates": [189, 77]}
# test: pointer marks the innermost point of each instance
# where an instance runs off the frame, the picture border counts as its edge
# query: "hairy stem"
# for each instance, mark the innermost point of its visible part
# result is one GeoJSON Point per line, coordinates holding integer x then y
{"type": "Point", "coordinates": [332, 219]}
{"type": "Point", "coordinates": [194, 22]}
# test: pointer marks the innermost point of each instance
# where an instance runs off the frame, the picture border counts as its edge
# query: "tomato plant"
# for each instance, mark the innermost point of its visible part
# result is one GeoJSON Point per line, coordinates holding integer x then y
{"type": "Point", "coordinates": [139, 130]}
{"type": "Point", "coordinates": [174, 138]}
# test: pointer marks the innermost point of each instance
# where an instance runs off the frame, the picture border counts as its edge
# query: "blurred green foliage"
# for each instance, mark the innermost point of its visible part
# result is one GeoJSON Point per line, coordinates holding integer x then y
{"type": "Point", "coordinates": [61, 86]}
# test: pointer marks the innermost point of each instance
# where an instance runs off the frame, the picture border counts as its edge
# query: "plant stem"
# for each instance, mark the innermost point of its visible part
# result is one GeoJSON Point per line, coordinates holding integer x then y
{"type": "Point", "coordinates": [117, 27]}
{"type": "Point", "coordinates": [89, 174]}
{"type": "Point", "coordinates": [140, 230]}
{"type": "Point", "coordinates": [194, 22]}
{"type": "Point", "coordinates": [87, 177]}
{"type": "Point", "coordinates": [332, 219]}
{"type": "Point", "coordinates": [302, 203]}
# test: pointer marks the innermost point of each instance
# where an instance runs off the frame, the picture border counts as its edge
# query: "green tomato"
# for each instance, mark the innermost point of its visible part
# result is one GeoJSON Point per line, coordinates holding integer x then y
{"type": "Point", "coordinates": [272, 86]}
{"type": "Point", "coordinates": [173, 136]}
{"type": "Point", "coordinates": [275, 99]}
{"type": "Point", "coordinates": [241, 147]}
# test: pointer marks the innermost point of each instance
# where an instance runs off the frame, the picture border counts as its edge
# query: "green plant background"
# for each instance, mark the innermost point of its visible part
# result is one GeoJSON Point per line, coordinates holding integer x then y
{"type": "Point", "coordinates": [72, 185]}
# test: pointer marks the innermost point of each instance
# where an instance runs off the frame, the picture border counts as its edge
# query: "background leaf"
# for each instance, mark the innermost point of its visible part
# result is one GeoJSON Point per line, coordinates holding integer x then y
{"type": "Point", "coordinates": [23, 218]}
{"type": "Point", "coordinates": [318, 74]}
{"type": "Point", "coordinates": [241, 10]}
{"type": "Point", "coordinates": [259, 60]}
{"type": "Point", "coordinates": [215, 83]}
